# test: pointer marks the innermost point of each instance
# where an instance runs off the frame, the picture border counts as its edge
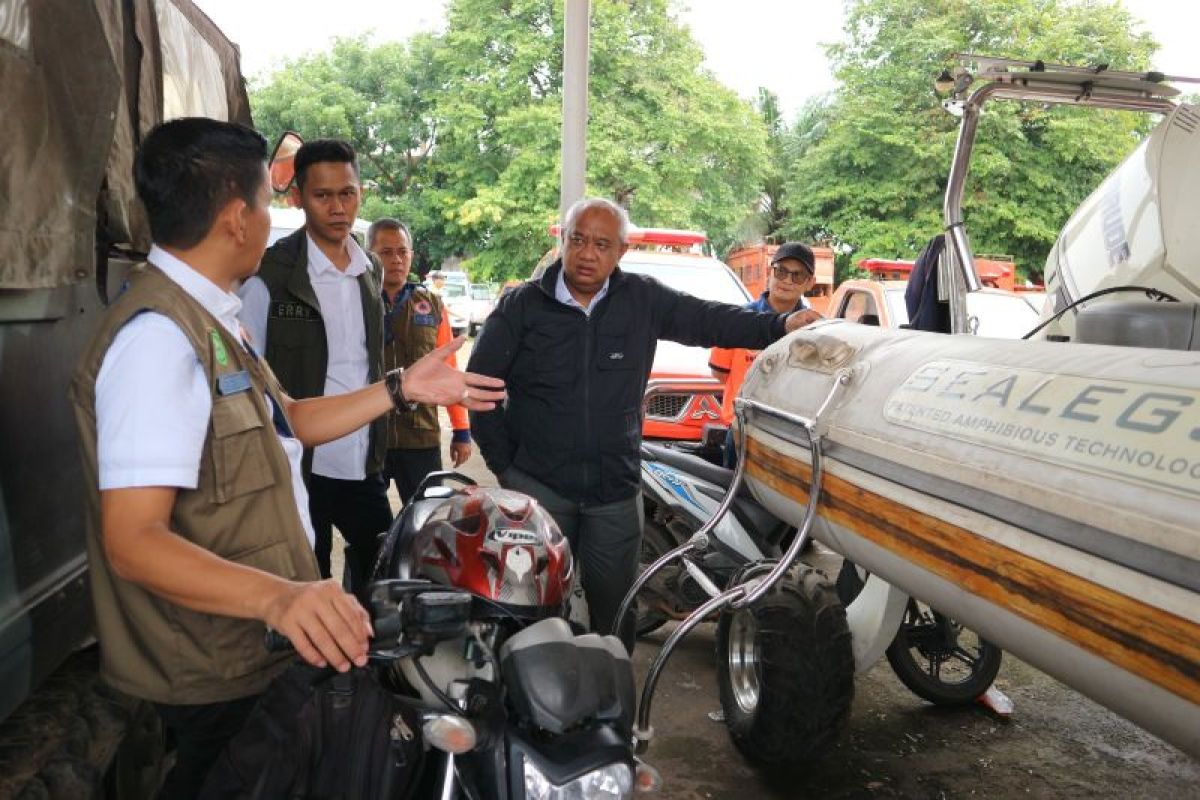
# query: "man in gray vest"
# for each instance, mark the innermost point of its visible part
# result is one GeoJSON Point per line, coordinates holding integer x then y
{"type": "Point", "coordinates": [198, 526]}
{"type": "Point", "coordinates": [315, 311]}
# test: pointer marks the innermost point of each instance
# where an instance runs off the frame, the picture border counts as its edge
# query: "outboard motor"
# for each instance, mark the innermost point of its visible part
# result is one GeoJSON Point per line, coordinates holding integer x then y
{"type": "Point", "coordinates": [1137, 229]}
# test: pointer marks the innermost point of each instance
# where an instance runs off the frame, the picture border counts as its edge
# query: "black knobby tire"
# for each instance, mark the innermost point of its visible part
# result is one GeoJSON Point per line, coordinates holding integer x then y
{"type": "Point", "coordinates": [655, 542]}
{"type": "Point", "coordinates": [799, 651]}
{"type": "Point", "coordinates": [939, 660]}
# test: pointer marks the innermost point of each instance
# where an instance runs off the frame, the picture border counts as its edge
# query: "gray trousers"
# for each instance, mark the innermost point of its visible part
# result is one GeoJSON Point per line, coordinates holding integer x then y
{"type": "Point", "coordinates": [605, 542]}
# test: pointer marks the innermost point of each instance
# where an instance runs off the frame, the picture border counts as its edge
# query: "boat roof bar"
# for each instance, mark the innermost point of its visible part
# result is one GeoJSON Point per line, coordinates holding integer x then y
{"type": "Point", "coordinates": [1025, 81]}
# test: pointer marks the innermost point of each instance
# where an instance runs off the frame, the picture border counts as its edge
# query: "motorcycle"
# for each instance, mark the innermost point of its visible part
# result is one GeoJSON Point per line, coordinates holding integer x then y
{"type": "Point", "coordinates": [934, 656]}
{"type": "Point", "coordinates": [467, 601]}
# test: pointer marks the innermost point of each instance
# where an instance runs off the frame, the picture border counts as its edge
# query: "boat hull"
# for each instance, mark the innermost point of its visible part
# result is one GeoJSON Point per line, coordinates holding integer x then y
{"type": "Point", "coordinates": [934, 482]}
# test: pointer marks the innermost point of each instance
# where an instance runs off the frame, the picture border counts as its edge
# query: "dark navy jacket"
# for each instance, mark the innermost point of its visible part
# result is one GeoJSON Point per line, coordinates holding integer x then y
{"type": "Point", "coordinates": [573, 419]}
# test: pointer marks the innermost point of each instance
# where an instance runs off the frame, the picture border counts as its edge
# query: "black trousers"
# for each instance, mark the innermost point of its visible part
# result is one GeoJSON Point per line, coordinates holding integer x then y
{"type": "Point", "coordinates": [409, 467]}
{"type": "Point", "coordinates": [200, 733]}
{"type": "Point", "coordinates": [361, 512]}
{"type": "Point", "coordinates": [606, 542]}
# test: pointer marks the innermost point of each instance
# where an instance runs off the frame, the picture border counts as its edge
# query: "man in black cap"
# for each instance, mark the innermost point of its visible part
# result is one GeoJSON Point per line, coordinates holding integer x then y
{"type": "Point", "coordinates": [793, 270]}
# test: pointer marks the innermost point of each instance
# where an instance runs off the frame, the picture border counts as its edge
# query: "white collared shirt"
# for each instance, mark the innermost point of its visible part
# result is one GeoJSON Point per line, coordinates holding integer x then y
{"type": "Point", "coordinates": [340, 299]}
{"type": "Point", "coordinates": [340, 303]}
{"type": "Point", "coordinates": [153, 402]}
{"type": "Point", "coordinates": [563, 295]}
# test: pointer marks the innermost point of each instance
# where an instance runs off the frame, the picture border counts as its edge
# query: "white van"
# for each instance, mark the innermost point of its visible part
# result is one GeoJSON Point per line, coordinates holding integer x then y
{"type": "Point", "coordinates": [454, 289]}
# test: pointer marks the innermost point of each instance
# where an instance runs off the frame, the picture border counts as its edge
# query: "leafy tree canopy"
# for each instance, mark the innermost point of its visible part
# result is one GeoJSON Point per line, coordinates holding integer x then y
{"type": "Point", "coordinates": [874, 161]}
{"type": "Point", "coordinates": [459, 133]}
{"type": "Point", "coordinates": [380, 99]}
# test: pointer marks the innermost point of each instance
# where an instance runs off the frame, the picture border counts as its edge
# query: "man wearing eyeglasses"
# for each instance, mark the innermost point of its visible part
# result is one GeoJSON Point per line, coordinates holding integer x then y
{"type": "Point", "coordinates": [414, 323]}
{"type": "Point", "coordinates": [793, 270]}
{"type": "Point", "coordinates": [576, 347]}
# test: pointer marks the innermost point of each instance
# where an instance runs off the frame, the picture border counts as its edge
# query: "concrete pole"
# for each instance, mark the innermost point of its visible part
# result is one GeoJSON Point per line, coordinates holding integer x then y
{"type": "Point", "coordinates": [575, 103]}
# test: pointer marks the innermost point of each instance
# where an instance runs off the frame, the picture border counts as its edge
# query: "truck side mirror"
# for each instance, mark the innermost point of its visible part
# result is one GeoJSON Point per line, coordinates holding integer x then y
{"type": "Point", "coordinates": [283, 168]}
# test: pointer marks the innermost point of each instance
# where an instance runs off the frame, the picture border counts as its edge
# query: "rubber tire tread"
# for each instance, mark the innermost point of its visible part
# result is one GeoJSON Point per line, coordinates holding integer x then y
{"type": "Point", "coordinates": [806, 684]}
{"type": "Point", "coordinates": [899, 656]}
{"type": "Point", "coordinates": [660, 542]}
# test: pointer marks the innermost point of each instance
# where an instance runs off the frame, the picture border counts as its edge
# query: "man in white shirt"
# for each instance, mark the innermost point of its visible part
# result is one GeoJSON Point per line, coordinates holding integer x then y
{"type": "Point", "coordinates": [198, 523]}
{"type": "Point", "coordinates": [315, 311]}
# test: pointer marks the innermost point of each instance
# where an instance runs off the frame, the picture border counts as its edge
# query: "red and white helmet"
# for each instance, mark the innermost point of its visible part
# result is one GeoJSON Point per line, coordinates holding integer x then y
{"type": "Point", "coordinates": [499, 545]}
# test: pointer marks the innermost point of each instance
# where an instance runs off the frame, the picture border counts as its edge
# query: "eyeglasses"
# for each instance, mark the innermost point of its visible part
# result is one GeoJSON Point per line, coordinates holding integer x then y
{"type": "Point", "coordinates": [578, 242]}
{"type": "Point", "coordinates": [793, 275]}
{"type": "Point", "coordinates": [390, 252]}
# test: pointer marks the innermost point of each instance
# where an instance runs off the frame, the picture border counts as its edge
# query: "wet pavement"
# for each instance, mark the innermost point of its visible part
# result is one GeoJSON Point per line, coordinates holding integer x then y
{"type": "Point", "coordinates": [1057, 744]}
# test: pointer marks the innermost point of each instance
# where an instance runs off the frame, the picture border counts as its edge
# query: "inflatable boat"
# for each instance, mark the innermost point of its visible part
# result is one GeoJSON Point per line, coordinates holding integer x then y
{"type": "Point", "coordinates": [1047, 496]}
{"type": "Point", "coordinates": [1044, 492]}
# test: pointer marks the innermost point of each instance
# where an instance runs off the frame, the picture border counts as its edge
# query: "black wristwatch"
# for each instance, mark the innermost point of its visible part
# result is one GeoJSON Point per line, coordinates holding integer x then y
{"type": "Point", "coordinates": [395, 386]}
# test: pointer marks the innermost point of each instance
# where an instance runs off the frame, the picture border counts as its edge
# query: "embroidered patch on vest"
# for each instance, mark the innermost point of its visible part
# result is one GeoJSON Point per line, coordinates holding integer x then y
{"type": "Point", "coordinates": [423, 307]}
{"type": "Point", "coordinates": [218, 348]}
{"type": "Point", "coordinates": [425, 319]}
{"type": "Point", "coordinates": [282, 310]}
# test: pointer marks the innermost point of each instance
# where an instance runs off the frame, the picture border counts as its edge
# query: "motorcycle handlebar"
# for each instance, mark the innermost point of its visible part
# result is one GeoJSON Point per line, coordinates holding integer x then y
{"type": "Point", "coordinates": [385, 621]}
{"type": "Point", "coordinates": [387, 630]}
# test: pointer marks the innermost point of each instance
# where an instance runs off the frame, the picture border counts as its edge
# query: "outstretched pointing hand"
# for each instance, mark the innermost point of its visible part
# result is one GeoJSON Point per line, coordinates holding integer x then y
{"type": "Point", "coordinates": [432, 380]}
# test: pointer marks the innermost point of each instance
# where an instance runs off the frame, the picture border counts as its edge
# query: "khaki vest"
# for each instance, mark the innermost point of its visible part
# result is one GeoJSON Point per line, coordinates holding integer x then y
{"type": "Point", "coordinates": [413, 335]}
{"type": "Point", "coordinates": [243, 509]}
{"type": "Point", "coordinates": [296, 347]}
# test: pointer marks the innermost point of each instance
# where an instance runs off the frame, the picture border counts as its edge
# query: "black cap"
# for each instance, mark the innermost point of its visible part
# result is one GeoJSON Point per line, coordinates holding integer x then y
{"type": "Point", "coordinates": [801, 252]}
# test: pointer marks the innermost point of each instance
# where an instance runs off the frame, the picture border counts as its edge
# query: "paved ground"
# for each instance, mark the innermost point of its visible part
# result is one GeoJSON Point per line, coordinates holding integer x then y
{"type": "Point", "coordinates": [1057, 744]}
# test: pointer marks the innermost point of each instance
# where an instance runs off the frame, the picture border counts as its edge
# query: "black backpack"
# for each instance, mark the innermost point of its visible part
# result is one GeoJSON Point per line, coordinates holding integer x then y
{"type": "Point", "coordinates": [318, 734]}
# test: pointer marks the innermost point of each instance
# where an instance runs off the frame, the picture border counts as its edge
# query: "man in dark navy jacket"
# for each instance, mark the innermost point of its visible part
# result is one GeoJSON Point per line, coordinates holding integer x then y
{"type": "Point", "coordinates": [576, 347]}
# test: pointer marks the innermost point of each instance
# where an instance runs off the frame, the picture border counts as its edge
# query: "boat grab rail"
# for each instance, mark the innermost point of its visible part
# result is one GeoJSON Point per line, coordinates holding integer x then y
{"type": "Point", "coordinates": [748, 592]}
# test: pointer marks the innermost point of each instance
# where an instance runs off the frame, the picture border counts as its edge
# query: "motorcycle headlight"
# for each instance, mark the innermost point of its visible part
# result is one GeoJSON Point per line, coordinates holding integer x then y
{"type": "Point", "coordinates": [610, 781]}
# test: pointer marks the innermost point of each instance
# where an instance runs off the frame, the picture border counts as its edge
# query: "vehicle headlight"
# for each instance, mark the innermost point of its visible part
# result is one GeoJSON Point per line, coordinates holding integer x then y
{"type": "Point", "coordinates": [611, 781]}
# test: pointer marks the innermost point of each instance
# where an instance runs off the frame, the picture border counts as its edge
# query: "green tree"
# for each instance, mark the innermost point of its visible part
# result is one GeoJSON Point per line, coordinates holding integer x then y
{"type": "Point", "coordinates": [665, 139]}
{"type": "Point", "coordinates": [786, 145]}
{"type": "Point", "coordinates": [379, 98]}
{"type": "Point", "coordinates": [460, 133]}
{"type": "Point", "coordinates": [875, 177]}
{"type": "Point", "coordinates": [769, 213]}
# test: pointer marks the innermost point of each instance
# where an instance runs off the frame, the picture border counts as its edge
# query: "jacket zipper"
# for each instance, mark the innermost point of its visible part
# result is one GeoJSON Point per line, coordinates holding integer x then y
{"type": "Point", "coordinates": [587, 396]}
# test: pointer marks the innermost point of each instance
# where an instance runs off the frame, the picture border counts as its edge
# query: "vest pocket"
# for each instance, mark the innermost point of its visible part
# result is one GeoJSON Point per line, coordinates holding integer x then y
{"type": "Point", "coordinates": [239, 455]}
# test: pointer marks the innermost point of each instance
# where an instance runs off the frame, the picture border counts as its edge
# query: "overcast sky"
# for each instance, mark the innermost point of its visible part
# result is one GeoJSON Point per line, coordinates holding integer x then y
{"type": "Point", "coordinates": [747, 43]}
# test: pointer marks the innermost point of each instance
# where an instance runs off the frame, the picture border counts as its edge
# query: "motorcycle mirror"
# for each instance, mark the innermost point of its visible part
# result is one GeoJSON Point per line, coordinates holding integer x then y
{"type": "Point", "coordinates": [283, 166]}
{"type": "Point", "coordinates": [432, 485]}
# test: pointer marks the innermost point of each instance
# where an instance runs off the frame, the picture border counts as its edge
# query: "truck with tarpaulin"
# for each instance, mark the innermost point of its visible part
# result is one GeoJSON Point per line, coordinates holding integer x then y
{"type": "Point", "coordinates": [83, 82]}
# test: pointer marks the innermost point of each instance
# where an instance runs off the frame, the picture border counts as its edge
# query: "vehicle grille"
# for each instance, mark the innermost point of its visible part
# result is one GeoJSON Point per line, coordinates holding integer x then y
{"type": "Point", "coordinates": [667, 406]}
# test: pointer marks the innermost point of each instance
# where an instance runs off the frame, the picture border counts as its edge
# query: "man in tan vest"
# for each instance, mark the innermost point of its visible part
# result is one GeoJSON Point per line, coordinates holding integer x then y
{"type": "Point", "coordinates": [414, 323]}
{"type": "Point", "coordinates": [198, 523]}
